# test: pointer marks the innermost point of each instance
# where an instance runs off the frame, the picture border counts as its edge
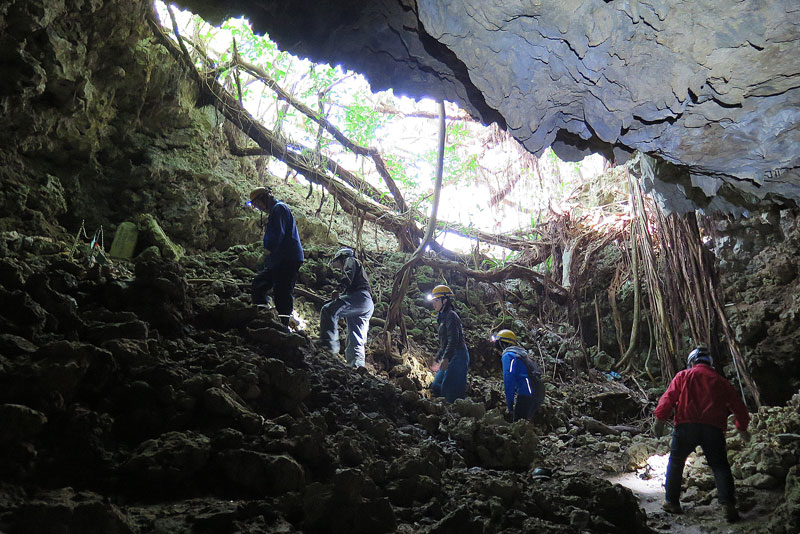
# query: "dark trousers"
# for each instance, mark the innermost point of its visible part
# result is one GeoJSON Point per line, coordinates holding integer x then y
{"type": "Point", "coordinates": [281, 279]}
{"type": "Point", "coordinates": [523, 408]}
{"type": "Point", "coordinates": [451, 383]}
{"type": "Point", "coordinates": [685, 438]}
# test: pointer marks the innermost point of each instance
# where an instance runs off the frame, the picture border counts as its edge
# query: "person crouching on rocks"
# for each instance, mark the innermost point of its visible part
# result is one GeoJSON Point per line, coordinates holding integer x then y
{"type": "Point", "coordinates": [284, 254]}
{"type": "Point", "coordinates": [352, 301]}
{"type": "Point", "coordinates": [452, 359]}
{"type": "Point", "coordinates": [521, 376]}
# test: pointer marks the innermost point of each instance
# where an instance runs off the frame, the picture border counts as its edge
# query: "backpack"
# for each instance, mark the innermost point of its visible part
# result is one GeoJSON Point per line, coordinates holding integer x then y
{"type": "Point", "coordinates": [535, 376]}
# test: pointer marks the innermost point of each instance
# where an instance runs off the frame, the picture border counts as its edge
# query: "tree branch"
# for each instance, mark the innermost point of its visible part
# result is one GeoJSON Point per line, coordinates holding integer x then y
{"type": "Point", "coordinates": [373, 153]}
{"type": "Point", "coordinates": [403, 276]}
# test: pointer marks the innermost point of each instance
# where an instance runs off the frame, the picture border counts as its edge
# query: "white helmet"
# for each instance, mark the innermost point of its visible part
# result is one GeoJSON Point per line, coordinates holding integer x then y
{"type": "Point", "coordinates": [699, 355]}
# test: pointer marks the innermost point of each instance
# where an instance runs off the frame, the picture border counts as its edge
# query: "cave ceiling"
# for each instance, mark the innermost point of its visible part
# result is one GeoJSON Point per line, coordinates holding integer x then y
{"type": "Point", "coordinates": [709, 88]}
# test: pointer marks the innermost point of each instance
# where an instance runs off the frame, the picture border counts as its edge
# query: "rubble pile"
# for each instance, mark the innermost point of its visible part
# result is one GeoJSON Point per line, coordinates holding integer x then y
{"type": "Point", "coordinates": [146, 397]}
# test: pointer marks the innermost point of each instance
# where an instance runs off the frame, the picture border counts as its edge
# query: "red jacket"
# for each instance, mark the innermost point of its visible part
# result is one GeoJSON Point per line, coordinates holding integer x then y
{"type": "Point", "coordinates": [701, 395]}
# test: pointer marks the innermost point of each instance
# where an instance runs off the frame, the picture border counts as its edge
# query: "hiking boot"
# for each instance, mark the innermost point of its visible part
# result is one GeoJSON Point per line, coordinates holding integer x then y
{"type": "Point", "coordinates": [672, 507]}
{"type": "Point", "coordinates": [731, 513]}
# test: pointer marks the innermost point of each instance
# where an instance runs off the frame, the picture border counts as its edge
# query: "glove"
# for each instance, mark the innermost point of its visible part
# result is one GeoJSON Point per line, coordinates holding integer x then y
{"type": "Point", "coordinates": [658, 428]}
{"type": "Point", "coordinates": [745, 435]}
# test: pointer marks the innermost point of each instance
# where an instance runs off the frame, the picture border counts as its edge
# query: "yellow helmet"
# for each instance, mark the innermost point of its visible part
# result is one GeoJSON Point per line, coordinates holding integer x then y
{"type": "Point", "coordinates": [441, 291]}
{"type": "Point", "coordinates": [505, 335]}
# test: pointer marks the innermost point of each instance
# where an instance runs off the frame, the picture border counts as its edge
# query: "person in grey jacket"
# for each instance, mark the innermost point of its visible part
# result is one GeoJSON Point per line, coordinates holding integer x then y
{"type": "Point", "coordinates": [352, 301]}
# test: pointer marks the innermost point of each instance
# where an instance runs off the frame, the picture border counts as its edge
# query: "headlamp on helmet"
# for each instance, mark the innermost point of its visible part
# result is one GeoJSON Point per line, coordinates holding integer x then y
{"type": "Point", "coordinates": [506, 336]}
{"type": "Point", "coordinates": [257, 194]}
{"type": "Point", "coordinates": [440, 291]}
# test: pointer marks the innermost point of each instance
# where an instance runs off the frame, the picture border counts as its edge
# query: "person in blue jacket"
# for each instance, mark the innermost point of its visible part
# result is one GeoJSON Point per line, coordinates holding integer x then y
{"type": "Point", "coordinates": [529, 390]}
{"type": "Point", "coordinates": [284, 254]}
{"type": "Point", "coordinates": [353, 301]}
{"type": "Point", "coordinates": [452, 360]}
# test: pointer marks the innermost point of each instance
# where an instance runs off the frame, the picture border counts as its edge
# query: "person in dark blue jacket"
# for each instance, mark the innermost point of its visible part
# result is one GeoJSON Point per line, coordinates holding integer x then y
{"type": "Point", "coordinates": [284, 254]}
{"type": "Point", "coordinates": [452, 359]}
{"type": "Point", "coordinates": [529, 390]}
{"type": "Point", "coordinates": [353, 301]}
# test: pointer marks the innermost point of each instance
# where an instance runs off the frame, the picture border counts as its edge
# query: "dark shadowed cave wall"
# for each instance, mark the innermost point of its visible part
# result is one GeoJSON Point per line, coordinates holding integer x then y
{"type": "Point", "coordinates": [100, 125]}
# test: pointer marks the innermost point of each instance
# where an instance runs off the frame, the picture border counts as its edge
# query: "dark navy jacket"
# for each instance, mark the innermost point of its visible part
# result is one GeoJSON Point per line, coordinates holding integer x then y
{"type": "Point", "coordinates": [451, 334]}
{"type": "Point", "coordinates": [281, 237]}
{"type": "Point", "coordinates": [515, 375]}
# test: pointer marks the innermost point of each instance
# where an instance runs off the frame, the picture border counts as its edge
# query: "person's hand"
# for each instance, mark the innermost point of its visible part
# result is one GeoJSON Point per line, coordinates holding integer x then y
{"type": "Point", "coordinates": [745, 435]}
{"type": "Point", "coordinates": [658, 428]}
{"type": "Point", "coordinates": [435, 366]}
{"type": "Point", "coordinates": [445, 363]}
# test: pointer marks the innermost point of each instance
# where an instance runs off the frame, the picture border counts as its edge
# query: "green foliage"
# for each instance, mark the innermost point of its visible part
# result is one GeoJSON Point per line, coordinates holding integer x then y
{"type": "Point", "coordinates": [473, 156]}
{"type": "Point", "coordinates": [398, 170]}
{"type": "Point", "coordinates": [499, 263]}
{"type": "Point", "coordinates": [458, 166]}
{"type": "Point", "coordinates": [547, 266]}
{"type": "Point", "coordinates": [252, 47]}
{"type": "Point", "coordinates": [361, 123]}
{"type": "Point", "coordinates": [322, 78]}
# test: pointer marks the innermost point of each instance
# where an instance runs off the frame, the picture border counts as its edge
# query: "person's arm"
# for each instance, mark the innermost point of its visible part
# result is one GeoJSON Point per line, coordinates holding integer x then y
{"type": "Point", "coordinates": [348, 272]}
{"type": "Point", "coordinates": [508, 381]}
{"type": "Point", "coordinates": [276, 228]}
{"type": "Point", "coordinates": [668, 401]}
{"type": "Point", "coordinates": [442, 344]}
{"type": "Point", "coordinates": [741, 417]}
{"type": "Point", "coordinates": [452, 327]}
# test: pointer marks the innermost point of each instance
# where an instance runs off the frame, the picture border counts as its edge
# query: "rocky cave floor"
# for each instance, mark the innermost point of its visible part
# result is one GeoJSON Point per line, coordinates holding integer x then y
{"type": "Point", "coordinates": [152, 397]}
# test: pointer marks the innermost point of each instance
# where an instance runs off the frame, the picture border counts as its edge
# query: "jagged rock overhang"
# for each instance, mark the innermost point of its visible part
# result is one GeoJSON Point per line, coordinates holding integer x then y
{"type": "Point", "coordinates": [711, 88]}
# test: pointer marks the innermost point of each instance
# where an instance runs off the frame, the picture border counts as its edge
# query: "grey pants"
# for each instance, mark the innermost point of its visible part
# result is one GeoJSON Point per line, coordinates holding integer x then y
{"type": "Point", "coordinates": [356, 308]}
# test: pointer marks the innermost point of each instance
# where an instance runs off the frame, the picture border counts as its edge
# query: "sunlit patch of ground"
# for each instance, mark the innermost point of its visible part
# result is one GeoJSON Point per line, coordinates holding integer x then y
{"type": "Point", "coordinates": [701, 515]}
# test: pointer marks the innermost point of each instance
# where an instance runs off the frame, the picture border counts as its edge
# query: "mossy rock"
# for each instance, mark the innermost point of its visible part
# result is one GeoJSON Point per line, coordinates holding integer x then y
{"type": "Point", "coordinates": [603, 361]}
{"type": "Point", "coordinates": [425, 278]}
{"type": "Point", "coordinates": [125, 240]}
{"type": "Point", "coordinates": [149, 253]}
{"type": "Point", "coordinates": [151, 234]}
{"type": "Point", "coordinates": [314, 231]}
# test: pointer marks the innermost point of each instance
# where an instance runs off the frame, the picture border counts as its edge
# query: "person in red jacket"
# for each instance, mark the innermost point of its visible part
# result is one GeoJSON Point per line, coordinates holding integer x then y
{"type": "Point", "coordinates": [701, 399]}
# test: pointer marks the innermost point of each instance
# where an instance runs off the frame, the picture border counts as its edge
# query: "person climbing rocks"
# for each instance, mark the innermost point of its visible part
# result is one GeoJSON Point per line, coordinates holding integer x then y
{"type": "Point", "coordinates": [452, 359]}
{"type": "Point", "coordinates": [284, 254]}
{"type": "Point", "coordinates": [701, 400]}
{"type": "Point", "coordinates": [521, 377]}
{"type": "Point", "coordinates": [353, 301]}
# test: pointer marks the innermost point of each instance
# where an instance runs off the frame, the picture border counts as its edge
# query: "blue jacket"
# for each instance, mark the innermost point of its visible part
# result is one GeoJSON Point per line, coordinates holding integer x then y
{"type": "Point", "coordinates": [515, 375]}
{"type": "Point", "coordinates": [281, 238]}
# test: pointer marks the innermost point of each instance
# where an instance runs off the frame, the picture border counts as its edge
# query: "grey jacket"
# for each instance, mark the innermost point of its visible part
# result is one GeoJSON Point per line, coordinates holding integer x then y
{"type": "Point", "coordinates": [353, 277]}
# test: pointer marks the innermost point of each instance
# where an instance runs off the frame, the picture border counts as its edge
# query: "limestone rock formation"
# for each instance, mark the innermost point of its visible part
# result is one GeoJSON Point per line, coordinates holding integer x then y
{"type": "Point", "coordinates": [711, 87]}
